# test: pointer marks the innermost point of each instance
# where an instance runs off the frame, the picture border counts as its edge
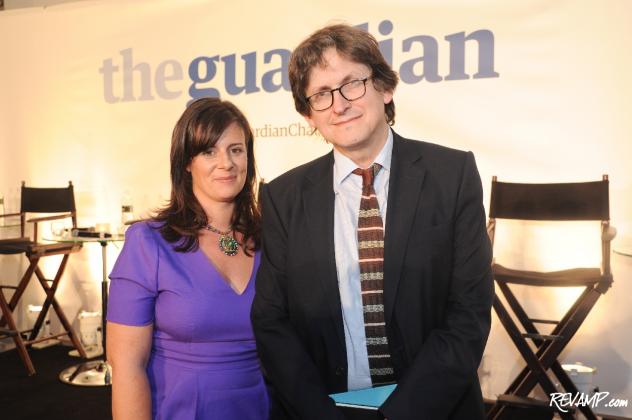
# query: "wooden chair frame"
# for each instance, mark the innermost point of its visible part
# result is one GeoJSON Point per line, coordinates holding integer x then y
{"type": "Point", "coordinates": [38, 200]}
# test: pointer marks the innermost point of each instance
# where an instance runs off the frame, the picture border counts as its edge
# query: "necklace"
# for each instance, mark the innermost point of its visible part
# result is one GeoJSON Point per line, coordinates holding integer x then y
{"type": "Point", "coordinates": [227, 244]}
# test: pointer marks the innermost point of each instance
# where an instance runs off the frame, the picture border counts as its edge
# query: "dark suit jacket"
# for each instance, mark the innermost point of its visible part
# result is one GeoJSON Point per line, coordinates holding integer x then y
{"type": "Point", "coordinates": [437, 287]}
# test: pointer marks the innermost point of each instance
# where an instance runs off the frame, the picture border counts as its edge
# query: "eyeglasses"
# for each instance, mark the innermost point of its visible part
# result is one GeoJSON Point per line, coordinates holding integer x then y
{"type": "Point", "coordinates": [352, 90]}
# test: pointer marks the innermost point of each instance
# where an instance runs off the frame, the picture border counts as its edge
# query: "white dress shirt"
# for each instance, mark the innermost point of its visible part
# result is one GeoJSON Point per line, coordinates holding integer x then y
{"type": "Point", "coordinates": [348, 189]}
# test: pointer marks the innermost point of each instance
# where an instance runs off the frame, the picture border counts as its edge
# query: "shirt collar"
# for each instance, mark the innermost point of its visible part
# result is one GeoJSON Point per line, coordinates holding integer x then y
{"type": "Point", "coordinates": [343, 166]}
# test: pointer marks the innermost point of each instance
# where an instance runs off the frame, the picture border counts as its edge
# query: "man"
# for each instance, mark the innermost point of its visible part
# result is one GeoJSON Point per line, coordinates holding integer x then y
{"type": "Point", "coordinates": [345, 301]}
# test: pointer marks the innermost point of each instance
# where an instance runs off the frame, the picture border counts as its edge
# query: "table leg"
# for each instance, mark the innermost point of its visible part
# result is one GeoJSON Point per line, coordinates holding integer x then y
{"type": "Point", "coordinates": [97, 372]}
{"type": "Point", "coordinates": [104, 297]}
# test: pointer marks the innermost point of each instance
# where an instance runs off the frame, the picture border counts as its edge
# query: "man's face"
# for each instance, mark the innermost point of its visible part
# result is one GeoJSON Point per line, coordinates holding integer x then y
{"type": "Point", "coordinates": [353, 127]}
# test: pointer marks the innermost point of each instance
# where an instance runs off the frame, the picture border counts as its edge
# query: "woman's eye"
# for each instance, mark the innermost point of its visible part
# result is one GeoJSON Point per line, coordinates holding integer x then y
{"type": "Point", "coordinates": [209, 152]}
{"type": "Point", "coordinates": [237, 150]}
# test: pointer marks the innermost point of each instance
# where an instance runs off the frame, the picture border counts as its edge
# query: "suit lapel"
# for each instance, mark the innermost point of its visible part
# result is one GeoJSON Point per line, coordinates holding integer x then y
{"type": "Point", "coordinates": [405, 184]}
{"type": "Point", "coordinates": [404, 191]}
{"type": "Point", "coordinates": [318, 201]}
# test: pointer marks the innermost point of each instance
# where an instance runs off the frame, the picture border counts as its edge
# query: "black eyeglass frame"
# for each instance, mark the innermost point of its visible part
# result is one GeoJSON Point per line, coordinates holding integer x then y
{"type": "Point", "coordinates": [339, 89]}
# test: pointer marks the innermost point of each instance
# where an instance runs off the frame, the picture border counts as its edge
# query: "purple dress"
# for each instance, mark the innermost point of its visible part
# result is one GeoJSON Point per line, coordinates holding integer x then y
{"type": "Point", "coordinates": [203, 362]}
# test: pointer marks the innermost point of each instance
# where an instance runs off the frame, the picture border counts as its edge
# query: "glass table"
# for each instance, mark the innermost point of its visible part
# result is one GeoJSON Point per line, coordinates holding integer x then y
{"type": "Point", "coordinates": [94, 372]}
{"type": "Point", "coordinates": [623, 246]}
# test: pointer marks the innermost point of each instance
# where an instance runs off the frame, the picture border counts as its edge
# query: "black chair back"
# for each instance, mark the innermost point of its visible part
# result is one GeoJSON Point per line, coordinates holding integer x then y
{"type": "Point", "coordinates": [47, 200]}
{"type": "Point", "coordinates": [554, 202]}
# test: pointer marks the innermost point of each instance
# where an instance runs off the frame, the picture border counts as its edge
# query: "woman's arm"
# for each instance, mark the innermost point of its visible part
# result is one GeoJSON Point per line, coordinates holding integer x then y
{"type": "Point", "coordinates": [128, 349]}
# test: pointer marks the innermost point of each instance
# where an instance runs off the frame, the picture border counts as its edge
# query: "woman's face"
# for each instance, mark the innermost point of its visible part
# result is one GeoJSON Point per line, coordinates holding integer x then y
{"type": "Point", "coordinates": [219, 174]}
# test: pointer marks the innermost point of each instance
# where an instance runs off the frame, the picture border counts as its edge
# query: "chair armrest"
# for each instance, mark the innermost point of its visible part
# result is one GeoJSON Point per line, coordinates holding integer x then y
{"type": "Point", "coordinates": [609, 233]}
{"type": "Point", "coordinates": [10, 214]}
{"type": "Point", "coordinates": [9, 241]}
{"type": "Point", "coordinates": [47, 218]}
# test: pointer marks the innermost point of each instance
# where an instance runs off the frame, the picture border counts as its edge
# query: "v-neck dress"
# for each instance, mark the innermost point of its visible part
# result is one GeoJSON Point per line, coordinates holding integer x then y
{"type": "Point", "coordinates": [203, 362]}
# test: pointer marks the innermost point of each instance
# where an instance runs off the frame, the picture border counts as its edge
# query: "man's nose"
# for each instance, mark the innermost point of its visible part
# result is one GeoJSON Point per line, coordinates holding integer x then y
{"type": "Point", "coordinates": [341, 104]}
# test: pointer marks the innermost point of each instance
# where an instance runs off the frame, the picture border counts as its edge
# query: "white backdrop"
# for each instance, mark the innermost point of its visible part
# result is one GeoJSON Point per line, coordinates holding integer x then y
{"type": "Point", "coordinates": [90, 91]}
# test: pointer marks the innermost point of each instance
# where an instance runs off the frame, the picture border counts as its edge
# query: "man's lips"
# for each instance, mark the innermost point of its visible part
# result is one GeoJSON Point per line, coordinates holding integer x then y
{"type": "Point", "coordinates": [346, 120]}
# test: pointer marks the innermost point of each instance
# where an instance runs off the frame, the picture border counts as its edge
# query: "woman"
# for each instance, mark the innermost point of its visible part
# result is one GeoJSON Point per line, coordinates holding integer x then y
{"type": "Point", "coordinates": [179, 335]}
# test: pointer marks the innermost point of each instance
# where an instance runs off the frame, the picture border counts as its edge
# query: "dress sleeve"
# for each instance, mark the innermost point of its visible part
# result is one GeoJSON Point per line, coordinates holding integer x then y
{"type": "Point", "coordinates": [133, 287]}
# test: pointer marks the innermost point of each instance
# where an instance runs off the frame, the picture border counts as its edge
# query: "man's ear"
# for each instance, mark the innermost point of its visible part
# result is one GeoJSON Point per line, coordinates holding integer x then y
{"type": "Point", "coordinates": [309, 120]}
{"type": "Point", "coordinates": [388, 96]}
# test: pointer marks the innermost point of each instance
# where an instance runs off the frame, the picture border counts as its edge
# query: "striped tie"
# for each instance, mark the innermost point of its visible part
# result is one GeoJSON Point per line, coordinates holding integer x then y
{"type": "Point", "coordinates": [371, 258]}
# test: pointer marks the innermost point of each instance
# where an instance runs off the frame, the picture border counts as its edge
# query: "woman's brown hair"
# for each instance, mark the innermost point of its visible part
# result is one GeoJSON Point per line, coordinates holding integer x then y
{"type": "Point", "coordinates": [198, 129]}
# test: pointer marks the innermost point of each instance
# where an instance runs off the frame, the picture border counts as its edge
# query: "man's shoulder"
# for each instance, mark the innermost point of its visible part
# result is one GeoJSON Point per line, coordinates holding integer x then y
{"type": "Point", "coordinates": [427, 148]}
{"type": "Point", "coordinates": [444, 163]}
{"type": "Point", "coordinates": [312, 171]}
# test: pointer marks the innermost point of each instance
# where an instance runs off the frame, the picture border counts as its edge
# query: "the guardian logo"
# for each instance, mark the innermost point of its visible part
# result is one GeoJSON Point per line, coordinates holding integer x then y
{"type": "Point", "coordinates": [127, 80]}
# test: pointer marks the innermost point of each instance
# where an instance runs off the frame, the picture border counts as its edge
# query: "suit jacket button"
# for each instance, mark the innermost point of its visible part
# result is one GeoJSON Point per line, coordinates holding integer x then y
{"type": "Point", "coordinates": [340, 371]}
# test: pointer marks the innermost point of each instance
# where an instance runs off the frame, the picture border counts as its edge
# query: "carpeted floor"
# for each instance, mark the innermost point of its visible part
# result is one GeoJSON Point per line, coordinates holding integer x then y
{"type": "Point", "coordinates": [44, 396]}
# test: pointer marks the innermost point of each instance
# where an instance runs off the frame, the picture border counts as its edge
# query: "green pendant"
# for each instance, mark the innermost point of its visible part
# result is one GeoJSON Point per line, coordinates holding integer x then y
{"type": "Point", "coordinates": [228, 245]}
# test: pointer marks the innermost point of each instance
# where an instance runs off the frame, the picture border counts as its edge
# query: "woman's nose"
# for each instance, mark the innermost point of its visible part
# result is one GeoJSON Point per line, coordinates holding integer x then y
{"type": "Point", "coordinates": [225, 160]}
